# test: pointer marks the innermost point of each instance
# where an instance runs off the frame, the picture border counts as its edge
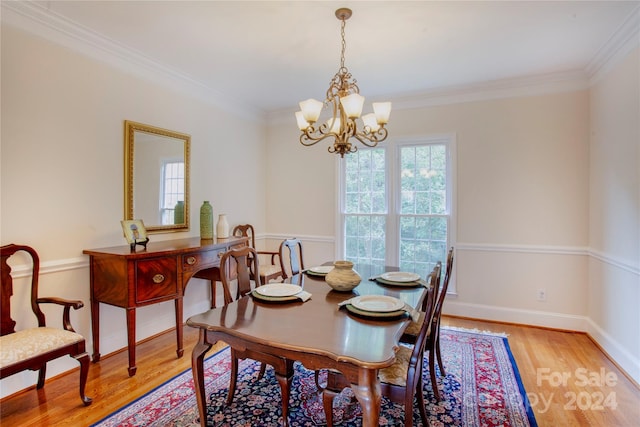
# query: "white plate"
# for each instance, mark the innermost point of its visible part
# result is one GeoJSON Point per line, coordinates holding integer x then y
{"type": "Point", "coordinates": [377, 303]}
{"type": "Point", "coordinates": [400, 276]}
{"type": "Point", "coordinates": [322, 269]}
{"type": "Point", "coordinates": [278, 290]}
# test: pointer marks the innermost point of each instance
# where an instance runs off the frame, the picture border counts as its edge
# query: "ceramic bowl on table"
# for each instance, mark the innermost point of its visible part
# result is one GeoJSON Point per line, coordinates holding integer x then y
{"type": "Point", "coordinates": [343, 278]}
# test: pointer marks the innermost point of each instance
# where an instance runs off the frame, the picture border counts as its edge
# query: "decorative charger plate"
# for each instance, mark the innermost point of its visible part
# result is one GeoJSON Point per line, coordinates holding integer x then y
{"type": "Point", "coordinates": [320, 270]}
{"type": "Point", "coordinates": [377, 303]}
{"type": "Point", "coordinates": [400, 276]}
{"type": "Point", "coordinates": [279, 290]}
{"type": "Point", "coordinates": [374, 314]}
{"type": "Point", "coordinates": [403, 284]}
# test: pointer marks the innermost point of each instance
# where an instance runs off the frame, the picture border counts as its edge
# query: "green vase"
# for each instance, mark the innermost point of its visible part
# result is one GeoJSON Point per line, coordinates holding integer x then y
{"type": "Point", "coordinates": [178, 213]}
{"type": "Point", "coordinates": [206, 221]}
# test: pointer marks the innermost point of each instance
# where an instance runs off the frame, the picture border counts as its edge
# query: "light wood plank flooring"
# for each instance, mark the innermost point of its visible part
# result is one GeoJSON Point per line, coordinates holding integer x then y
{"type": "Point", "coordinates": [554, 366]}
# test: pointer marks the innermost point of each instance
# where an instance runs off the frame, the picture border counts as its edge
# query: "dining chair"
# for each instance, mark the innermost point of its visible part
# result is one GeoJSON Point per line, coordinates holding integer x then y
{"type": "Point", "coordinates": [32, 348]}
{"type": "Point", "coordinates": [245, 261]}
{"type": "Point", "coordinates": [291, 250]}
{"type": "Point", "coordinates": [433, 339]}
{"type": "Point", "coordinates": [402, 381]}
{"type": "Point", "coordinates": [267, 273]}
{"type": "Point", "coordinates": [270, 271]}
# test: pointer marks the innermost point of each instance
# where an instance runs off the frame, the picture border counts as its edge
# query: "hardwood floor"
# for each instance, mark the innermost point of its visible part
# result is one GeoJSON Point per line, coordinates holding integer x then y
{"type": "Point", "coordinates": [570, 382]}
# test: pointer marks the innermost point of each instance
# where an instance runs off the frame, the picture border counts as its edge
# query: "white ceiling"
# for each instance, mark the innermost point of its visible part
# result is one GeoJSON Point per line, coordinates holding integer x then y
{"type": "Point", "coordinates": [271, 54]}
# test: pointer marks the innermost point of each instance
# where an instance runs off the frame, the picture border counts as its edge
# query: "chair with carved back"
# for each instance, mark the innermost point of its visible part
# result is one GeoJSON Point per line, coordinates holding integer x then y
{"type": "Point", "coordinates": [291, 262]}
{"type": "Point", "coordinates": [433, 339]}
{"type": "Point", "coordinates": [269, 271]}
{"type": "Point", "coordinates": [245, 262]}
{"type": "Point", "coordinates": [402, 381]}
{"type": "Point", "coordinates": [32, 348]}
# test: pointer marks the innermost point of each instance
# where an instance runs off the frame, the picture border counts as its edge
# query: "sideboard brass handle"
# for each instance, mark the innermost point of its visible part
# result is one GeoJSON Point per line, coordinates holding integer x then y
{"type": "Point", "coordinates": [191, 260]}
{"type": "Point", "coordinates": [220, 254]}
{"type": "Point", "coordinates": [158, 278]}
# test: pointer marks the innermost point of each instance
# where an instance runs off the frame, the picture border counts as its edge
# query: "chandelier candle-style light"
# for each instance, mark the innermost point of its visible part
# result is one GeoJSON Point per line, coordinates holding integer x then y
{"type": "Point", "coordinates": [343, 97]}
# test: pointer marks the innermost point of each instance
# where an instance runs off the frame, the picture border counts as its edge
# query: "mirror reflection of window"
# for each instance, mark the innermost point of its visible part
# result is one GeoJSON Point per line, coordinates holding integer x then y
{"type": "Point", "coordinates": [172, 192]}
{"type": "Point", "coordinates": [156, 177]}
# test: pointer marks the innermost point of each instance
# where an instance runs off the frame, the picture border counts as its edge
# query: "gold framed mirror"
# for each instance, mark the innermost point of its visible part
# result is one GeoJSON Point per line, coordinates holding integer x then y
{"type": "Point", "coordinates": [156, 177]}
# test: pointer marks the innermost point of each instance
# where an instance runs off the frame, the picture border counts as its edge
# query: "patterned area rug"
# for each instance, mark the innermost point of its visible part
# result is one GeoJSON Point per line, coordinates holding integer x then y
{"type": "Point", "coordinates": [482, 388]}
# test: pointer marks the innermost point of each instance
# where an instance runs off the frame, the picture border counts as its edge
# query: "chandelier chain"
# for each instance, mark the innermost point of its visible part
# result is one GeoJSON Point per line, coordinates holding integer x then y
{"type": "Point", "coordinates": [344, 44]}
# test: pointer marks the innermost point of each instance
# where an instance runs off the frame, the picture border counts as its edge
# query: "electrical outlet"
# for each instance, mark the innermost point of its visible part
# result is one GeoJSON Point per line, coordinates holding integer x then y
{"type": "Point", "coordinates": [542, 294]}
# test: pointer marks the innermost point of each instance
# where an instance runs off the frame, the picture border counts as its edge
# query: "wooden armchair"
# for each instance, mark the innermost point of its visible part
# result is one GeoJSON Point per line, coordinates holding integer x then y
{"type": "Point", "coordinates": [33, 348]}
{"type": "Point", "coordinates": [269, 271]}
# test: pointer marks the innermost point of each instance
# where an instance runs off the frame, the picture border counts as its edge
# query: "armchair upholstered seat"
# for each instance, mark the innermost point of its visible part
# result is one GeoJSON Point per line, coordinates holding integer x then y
{"type": "Point", "coordinates": [32, 343]}
{"type": "Point", "coordinates": [32, 348]}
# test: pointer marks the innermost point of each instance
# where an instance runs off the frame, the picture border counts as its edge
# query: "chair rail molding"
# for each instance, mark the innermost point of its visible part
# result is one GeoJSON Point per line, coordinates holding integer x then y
{"type": "Point", "coordinates": [532, 249]}
{"type": "Point", "coordinates": [615, 262]}
{"type": "Point", "coordinates": [50, 267]}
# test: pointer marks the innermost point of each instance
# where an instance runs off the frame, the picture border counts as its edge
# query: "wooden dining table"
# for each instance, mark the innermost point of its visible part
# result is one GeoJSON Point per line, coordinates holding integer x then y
{"type": "Point", "coordinates": [318, 333]}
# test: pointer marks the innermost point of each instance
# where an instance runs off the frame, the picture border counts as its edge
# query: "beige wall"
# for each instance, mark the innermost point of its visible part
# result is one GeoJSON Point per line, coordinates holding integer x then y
{"type": "Point", "coordinates": [62, 174]}
{"type": "Point", "coordinates": [614, 208]}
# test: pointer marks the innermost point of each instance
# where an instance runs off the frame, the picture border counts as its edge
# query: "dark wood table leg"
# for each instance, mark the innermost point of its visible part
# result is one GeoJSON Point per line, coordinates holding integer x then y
{"type": "Point", "coordinates": [285, 389]}
{"type": "Point", "coordinates": [131, 340]}
{"type": "Point", "coordinates": [95, 330]}
{"type": "Point", "coordinates": [179, 326]}
{"type": "Point", "coordinates": [197, 368]}
{"type": "Point", "coordinates": [369, 395]}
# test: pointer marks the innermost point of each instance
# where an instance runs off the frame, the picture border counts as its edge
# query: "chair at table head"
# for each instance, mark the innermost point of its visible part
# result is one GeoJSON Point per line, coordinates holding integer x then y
{"type": "Point", "coordinates": [32, 348]}
{"type": "Point", "coordinates": [291, 250]}
{"type": "Point", "coordinates": [268, 271]}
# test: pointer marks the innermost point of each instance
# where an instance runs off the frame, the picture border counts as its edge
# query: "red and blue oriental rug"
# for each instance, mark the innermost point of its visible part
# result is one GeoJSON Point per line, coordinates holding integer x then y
{"type": "Point", "coordinates": [482, 388]}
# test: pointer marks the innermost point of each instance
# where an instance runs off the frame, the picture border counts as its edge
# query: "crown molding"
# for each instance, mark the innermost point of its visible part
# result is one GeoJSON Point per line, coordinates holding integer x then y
{"type": "Point", "coordinates": [37, 19]}
{"type": "Point", "coordinates": [623, 41]}
{"type": "Point", "coordinates": [567, 81]}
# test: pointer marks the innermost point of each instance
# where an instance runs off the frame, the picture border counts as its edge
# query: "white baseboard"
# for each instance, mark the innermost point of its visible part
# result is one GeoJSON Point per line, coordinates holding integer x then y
{"type": "Point", "coordinates": [512, 315]}
{"type": "Point", "coordinates": [628, 362]}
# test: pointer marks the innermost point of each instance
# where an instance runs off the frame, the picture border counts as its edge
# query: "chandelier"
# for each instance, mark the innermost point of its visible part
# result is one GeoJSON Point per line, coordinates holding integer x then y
{"type": "Point", "coordinates": [344, 100]}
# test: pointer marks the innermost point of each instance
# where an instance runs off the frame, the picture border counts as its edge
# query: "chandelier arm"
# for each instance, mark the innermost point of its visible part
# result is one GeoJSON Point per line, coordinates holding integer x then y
{"type": "Point", "coordinates": [313, 136]}
{"type": "Point", "coordinates": [373, 138]}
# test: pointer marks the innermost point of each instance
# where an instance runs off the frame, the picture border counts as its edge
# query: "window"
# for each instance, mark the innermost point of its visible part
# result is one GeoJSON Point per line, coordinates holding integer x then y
{"type": "Point", "coordinates": [171, 191]}
{"type": "Point", "coordinates": [396, 204]}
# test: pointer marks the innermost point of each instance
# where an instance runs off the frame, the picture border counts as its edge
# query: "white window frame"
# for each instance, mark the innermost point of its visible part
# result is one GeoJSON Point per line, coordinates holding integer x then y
{"type": "Point", "coordinates": [163, 164]}
{"type": "Point", "coordinates": [392, 164]}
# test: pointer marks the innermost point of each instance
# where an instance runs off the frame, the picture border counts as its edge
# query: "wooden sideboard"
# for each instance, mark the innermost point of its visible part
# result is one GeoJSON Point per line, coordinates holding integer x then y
{"type": "Point", "coordinates": [148, 276]}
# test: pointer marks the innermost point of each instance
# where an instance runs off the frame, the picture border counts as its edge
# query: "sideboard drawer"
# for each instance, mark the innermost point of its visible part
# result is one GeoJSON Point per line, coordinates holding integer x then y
{"type": "Point", "coordinates": [156, 279]}
{"type": "Point", "coordinates": [198, 260]}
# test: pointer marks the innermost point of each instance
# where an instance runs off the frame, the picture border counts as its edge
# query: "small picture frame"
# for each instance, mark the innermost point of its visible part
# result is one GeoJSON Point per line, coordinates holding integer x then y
{"type": "Point", "coordinates": [135, 233]}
